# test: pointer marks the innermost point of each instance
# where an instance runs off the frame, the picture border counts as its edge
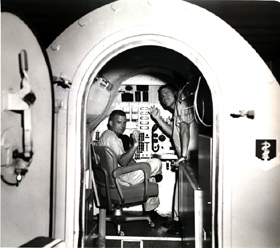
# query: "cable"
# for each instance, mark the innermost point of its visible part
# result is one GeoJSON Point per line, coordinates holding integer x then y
{"type": "Point", "coordinates": [5, 181]}
{"type": "Point", "coordinates": [196, 108]}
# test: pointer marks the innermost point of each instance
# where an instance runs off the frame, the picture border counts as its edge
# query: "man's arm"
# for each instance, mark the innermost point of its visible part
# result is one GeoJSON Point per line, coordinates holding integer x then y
{"type": "Point", "coordinates": [166, 128]}
{"type": "Point", "coordinates": [155, 114]}
{"type": "Point", "coordinates": [127, 157]}
{"type": "Point", "coordinates": [185, 138]}
{"type": "Point", "coordinates": [185, 141]}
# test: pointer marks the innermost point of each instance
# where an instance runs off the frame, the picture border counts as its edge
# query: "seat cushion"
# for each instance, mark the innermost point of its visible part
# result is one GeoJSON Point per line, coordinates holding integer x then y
{"type": "Point", "coordinates": [134, 193]}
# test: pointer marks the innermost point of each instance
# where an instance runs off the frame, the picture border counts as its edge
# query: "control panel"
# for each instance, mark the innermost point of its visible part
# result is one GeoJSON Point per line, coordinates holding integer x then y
{"type": "Point", "coordinates": [136, 101]}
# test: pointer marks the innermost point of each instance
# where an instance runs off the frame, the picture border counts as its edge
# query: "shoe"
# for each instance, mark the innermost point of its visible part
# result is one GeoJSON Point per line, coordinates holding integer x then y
{"type": "Point", "coordinates": [170, 224]}
{"type": "Point", "coordinates": [176, 230]}
{"type": "Point", "coordinates": [155, 216]}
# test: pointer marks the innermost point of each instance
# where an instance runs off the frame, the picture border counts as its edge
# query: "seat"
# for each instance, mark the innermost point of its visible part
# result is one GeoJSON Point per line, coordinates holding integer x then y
{"type": "Point", "coordinates": [112, 196]}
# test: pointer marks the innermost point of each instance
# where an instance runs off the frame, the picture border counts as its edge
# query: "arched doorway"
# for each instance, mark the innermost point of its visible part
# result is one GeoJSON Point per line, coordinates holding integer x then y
{"type": "Point", "coordinates": [230, 66]}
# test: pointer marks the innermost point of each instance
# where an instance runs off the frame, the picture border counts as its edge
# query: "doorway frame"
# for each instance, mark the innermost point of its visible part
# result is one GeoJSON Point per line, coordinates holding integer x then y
{"type": "Point", "coordinates": [214, 47]}
{"type": "Point", "coordinates": [167, 42]}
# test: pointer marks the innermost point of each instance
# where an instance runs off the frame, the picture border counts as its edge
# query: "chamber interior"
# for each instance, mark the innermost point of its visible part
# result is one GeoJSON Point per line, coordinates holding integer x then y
{"type": "Point", "coordinates": [130, 82]}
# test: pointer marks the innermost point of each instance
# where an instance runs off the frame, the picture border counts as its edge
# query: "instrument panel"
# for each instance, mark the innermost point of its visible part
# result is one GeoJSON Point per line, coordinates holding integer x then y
{"type": "Point", "coordinates": [136, 101]}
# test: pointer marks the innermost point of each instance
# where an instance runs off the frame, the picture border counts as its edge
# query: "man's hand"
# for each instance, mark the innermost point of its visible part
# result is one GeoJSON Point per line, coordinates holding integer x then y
{"type": "Point", "coordinates": [135, 138]}
{"type": "Point", "coordinates": [181, 159]}
{"type": "Point", "coordinates": [127, 158]}
{"type": "Point", "coordinates": [154, 112]}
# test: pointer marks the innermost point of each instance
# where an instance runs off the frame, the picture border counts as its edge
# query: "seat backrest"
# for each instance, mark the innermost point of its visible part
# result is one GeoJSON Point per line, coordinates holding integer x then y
{"type": "Point", "coordinates": [104, 161]}
{"type": "Point", "coordinates": [108, 161]}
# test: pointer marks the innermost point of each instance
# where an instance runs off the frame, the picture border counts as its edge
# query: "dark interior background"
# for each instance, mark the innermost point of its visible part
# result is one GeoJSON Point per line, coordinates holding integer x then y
{"type": "Point", "coordinates": [257, 21]}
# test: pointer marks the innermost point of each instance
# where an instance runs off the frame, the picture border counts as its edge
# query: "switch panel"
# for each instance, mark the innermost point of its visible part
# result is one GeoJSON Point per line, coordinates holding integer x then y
{"type": "Point", "coordinates": [152, 142]}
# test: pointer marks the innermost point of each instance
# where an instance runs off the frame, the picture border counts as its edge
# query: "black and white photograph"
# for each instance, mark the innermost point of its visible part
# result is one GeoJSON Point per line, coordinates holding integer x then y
{"type": "Point", "coordinates": [140, 123]}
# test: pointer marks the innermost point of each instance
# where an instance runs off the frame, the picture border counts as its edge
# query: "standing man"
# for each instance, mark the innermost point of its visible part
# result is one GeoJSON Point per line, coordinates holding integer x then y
{"type": "Point", "coordinates": [183, 131]}
{"type": "Point", "coordinates": [184, 128]}
{"type": "Point", "coordinates": [116, 127]}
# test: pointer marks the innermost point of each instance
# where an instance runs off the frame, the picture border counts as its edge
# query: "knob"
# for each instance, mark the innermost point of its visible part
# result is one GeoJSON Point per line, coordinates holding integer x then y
{"type": "Point", "coordinates": [162, 137]}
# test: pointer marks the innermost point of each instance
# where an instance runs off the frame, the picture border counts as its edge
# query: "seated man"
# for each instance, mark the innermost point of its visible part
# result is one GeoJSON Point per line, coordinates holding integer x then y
{"type": "Point", "coordinates": [110, 138]}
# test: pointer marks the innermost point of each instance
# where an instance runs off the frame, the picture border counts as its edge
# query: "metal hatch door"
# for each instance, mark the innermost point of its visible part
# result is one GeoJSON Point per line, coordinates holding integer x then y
{"type": "Point", "coordinates": [26, 135]}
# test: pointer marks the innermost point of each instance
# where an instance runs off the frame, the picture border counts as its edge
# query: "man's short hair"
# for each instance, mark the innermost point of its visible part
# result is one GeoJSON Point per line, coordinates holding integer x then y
{"type": "Point", "coordinates": [167, 86]}
{"type": "Point", "coordinates": [116, 112]}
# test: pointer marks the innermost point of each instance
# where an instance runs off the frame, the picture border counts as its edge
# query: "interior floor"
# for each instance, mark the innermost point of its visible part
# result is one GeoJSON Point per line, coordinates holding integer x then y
{"type": "Point", "coordinates": [141, 234]}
